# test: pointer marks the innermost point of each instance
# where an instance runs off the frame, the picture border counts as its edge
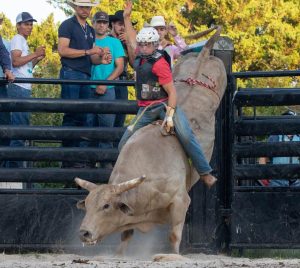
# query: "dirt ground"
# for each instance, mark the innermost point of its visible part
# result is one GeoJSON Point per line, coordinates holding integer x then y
{"type": "Point", "coordinates": [192, 260]}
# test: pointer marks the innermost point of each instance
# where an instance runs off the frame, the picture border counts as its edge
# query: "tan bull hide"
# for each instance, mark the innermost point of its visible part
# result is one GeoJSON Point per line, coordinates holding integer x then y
{"type": "Point", "coordinates": [161, 198]}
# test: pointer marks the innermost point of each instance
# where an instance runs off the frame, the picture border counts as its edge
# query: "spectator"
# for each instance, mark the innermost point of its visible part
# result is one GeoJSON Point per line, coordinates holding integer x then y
{"type": "Point", "coordinates": [110, 71]}
{"type": "Point", "coordinates": [158, 22]}
{"type": "Point", "coordinates": [118, 31]}
{"type": "Point", "coordinates": [23, 63]}
{"type": "Point", "coordinates": [77, 51]}
{"type": "Point", "coordinates": [282, 159]}
{"type": "Point", "coordinates": [5, 72]}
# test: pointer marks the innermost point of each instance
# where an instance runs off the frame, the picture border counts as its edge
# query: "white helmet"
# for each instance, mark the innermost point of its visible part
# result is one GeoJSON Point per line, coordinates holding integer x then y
{"type": "Point", "coordinates": [147, 35]}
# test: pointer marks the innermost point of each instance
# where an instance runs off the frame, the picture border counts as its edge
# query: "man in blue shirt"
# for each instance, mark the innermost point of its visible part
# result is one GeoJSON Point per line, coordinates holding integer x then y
{"type": "Point", "coordinates": [110, 71]}
{"type": "Point", "coordinates": [76, 48]}
{"type": "Point", "coordinates": [283, 159]}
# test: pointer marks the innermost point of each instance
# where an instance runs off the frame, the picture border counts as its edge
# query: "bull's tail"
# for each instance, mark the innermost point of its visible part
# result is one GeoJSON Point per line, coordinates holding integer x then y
{"type": "Point", "coordinates": [210, 43]}
{"type": "Point", "coordinates": [205, 52]}
{"type": "Point", "coordinates": [201, 34]}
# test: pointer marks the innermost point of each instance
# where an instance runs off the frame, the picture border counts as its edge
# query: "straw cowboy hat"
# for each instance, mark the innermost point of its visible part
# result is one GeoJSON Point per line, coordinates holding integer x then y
{"type": "Point", "coordinates": [157, 21]}
{"type": "Point", "coordinates": [84, 3]}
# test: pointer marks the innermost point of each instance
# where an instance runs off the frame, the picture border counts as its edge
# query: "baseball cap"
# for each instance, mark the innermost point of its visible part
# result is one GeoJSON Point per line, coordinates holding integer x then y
{"type": "Point", "coordinates": [24, 17]}
{"type": "Point", "coordinates": [100, 16]}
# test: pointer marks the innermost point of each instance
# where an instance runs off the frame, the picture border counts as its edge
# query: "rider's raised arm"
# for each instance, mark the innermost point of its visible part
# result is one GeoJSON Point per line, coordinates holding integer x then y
{"type": "Point", "coordinates": [130, 32]}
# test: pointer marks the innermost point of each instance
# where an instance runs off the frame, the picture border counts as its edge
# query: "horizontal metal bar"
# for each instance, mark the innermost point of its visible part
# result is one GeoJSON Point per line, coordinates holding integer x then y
{"type": "Point", "coordinates": [259, 189]}
{"type": "Point", "coordinates": [61, 133]}
{"type": "Point", "coordinates": [70, 106]}
{"type": "Point", "coordinates": [53, 175]}
{"type": "Point", "coordinates": [267, 117]}
{"type": "Point", "coordinates": [268, 149]}
{"type": "Point", "coordinates": [270, 171]}
{"type": "Point", "coordinates": [58, 154]}
{"type": "Point", "coordinates": [266, 74]}
{"type": "Point", "coordinates": [267, 127]}
{"type": "Point", "coordinates": [265, 245]}
{"type": "Point", "coordinates": [267, 97]}
{"type": "Point", "coordinates": [43, 192]}
{"type": "Point", "coordinates": [53, 81]}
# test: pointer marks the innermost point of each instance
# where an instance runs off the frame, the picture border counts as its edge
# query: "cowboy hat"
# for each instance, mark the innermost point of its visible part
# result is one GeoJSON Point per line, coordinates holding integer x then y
{"type": "Point", "coordinates": [118, 16]}
{"type": "Point", "coordinates": [84, 3]}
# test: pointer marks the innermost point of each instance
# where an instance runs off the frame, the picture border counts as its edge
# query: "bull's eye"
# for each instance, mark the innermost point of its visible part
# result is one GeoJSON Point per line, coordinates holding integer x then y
{"type": "Point", "coordinates": [106, 206]}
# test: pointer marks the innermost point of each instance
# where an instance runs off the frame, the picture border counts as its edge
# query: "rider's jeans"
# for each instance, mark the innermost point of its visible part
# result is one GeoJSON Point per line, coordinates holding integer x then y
{"type": "Point", "coordinates": [183, 132]}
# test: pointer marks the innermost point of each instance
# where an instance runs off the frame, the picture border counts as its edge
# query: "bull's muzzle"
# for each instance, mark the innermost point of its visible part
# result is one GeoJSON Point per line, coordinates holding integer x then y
{"type": "Point", "coordinates": [85, 236]}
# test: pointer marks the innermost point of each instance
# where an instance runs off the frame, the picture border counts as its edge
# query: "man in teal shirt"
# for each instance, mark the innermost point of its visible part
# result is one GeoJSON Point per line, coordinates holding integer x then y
{"type": "Point", "coordinates": [110, 71]}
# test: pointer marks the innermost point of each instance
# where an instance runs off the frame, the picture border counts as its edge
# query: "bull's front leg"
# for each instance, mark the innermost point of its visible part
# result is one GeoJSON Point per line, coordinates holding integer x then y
{"type": "Point", "coordinates": [178, 212]}
{"type": "Point", "coordinates": [125, 238]}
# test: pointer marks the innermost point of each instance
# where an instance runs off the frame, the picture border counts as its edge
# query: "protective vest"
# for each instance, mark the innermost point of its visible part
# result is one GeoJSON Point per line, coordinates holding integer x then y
{"type": "Point", "coordinates": [147, 86]}
{"type": "Point", "coordinates": [284, 159]}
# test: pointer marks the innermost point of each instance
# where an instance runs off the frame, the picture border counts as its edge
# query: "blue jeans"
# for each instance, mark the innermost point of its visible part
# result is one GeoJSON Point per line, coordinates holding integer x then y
{"type": "Point", "coordinates": [103, 120]}
{"type": "Point", "coordinates": [4, 120]}
{"type": "Point", "coordinates": [183, 132]}
{"type": "Point", "coordinates": [121, 94]}
{"type": "Point", "coordinates": [284, 183]}
{"type": "Point", "coordinates": [18, 118]}
{"type": "Point", "coordinates": [74, 92]}
{"type": "Point", "coordinates": [4, 116]}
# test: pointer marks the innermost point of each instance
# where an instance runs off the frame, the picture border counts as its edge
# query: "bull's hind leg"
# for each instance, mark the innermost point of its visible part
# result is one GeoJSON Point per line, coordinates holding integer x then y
{"type": "Point", "coordinates": [125, 238]}
{"type": "Point", "coordinates": [178, 211]}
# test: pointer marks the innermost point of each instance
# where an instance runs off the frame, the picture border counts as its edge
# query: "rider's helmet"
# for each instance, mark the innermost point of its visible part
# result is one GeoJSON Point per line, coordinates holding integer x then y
{"type": "Point", "coordinates": [148, 35]}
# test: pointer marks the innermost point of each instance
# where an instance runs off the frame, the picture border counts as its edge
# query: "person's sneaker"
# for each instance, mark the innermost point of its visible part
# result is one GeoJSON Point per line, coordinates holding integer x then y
{"type": "Point", "coordinates": [208, 179]}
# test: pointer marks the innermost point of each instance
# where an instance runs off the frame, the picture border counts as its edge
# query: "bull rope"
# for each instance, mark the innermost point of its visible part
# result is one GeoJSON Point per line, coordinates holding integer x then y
{"type": "Point", "coordinates": [131, 126]}
{"type": "Point", "coordinates": [192, 82]}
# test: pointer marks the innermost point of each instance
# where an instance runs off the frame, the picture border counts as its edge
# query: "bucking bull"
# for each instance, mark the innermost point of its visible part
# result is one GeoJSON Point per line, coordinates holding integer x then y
{"type": "Point", "coordinates": [151, 179]}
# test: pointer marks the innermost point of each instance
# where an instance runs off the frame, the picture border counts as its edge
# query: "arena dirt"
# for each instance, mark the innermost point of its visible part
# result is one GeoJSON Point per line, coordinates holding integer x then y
{"type": "Point", "coordinates": [193, 260]}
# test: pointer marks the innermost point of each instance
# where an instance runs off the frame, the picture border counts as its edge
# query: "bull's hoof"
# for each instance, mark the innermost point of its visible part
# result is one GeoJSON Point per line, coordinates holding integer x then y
{"type": "Point", "coordinates": [208, 179]}
{"type": "Point", "coordinates": [169, 258]}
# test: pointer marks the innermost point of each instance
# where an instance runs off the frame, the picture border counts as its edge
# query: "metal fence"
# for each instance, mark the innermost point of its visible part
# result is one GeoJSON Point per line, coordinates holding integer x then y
{"type": "Point", "coordinates": [263, 217]}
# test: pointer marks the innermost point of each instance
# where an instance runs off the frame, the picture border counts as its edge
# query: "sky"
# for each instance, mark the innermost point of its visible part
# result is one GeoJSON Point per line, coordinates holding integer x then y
{"type": "Point", "coordinates": [39, 9]}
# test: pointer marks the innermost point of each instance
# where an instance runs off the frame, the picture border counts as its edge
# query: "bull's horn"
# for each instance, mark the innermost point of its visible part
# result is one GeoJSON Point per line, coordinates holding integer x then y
{"type": "Point", "coordinates": [125, 186]}
{"type": "Point", "coordinates": [85, 184]}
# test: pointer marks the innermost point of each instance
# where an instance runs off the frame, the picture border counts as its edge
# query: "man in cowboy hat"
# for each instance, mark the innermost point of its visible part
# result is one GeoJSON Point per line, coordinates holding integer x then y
{"type": "Point", "coordinates": [77, 51]}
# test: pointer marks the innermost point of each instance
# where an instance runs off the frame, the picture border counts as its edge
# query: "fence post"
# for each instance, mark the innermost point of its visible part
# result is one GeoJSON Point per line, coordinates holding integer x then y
{"type": "Point", "coordinates": [224, 50]}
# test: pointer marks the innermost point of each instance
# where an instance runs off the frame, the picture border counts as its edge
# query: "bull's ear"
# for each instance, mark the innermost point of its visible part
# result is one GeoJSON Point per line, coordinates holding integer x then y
{"type": "Point", "coordinates": [127, 185]}
{"type": "Point", "coordinates": [85, 184]}
{"type": "Point", "coordinates": [81, 204]}
{"type": "Point", "coordinates": [125, 208]}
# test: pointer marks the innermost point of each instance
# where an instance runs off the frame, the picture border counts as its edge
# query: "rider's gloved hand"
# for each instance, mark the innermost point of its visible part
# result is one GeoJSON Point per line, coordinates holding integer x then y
{"type": "Point", "coordinates": [169, 119]}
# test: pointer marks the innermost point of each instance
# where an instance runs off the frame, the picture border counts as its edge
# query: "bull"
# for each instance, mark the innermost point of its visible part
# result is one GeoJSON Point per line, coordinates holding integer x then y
{"type": "Point", "coordinates": [132, 200]}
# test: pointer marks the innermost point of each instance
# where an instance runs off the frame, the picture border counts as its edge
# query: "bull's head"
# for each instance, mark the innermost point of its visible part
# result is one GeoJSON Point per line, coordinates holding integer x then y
{"type": "Point", "coordinates": [105, 210]}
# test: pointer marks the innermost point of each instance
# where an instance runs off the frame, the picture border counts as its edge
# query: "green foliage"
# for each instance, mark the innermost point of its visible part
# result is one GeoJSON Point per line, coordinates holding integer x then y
{"type": "Point", "coordinates": [266, 36]}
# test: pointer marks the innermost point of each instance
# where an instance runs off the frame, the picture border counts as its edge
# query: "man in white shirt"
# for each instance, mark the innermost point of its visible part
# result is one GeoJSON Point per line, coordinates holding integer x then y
{"type": "Point", "coordinates": [22, 64]}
